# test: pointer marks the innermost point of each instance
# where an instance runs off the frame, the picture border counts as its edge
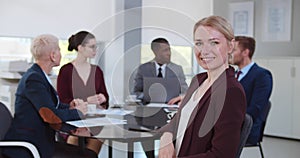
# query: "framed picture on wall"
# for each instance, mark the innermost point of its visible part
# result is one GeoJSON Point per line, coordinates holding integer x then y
{"type": "Point", "coordinates": [241, 17]}
{"type": "Point", "coordinates": [276, 20]}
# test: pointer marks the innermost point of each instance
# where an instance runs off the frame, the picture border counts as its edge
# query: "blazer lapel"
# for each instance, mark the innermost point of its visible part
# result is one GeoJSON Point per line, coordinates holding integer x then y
{"type": "Point", "coordinates": [252, 69]}
{"type": "Point", "coordinates": [169, 72]}
{"type": "Point", "coordinates": [215, 94]}
{"type": "Point", "coordinates": [153, 69]}
{"type": "Point", "coordinates": [189, 130]}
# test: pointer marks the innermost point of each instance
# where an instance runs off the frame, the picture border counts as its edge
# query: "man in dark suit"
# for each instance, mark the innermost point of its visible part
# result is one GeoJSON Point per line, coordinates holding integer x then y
{"type": "Point", "coordinates": [37, 105]}
{"type": "Point", "coordinates": [257, 83]}
{"type": "Point", "coordinates": [160, 66]}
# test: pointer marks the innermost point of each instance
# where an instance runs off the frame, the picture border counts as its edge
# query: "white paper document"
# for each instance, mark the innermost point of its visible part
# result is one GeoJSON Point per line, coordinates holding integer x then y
{"type": "Point", "coordinates": [116, 111]}
{"type": "Point", "coordinates": [91, 122]}
{"type": "Point", "coordinates": [162, 105]}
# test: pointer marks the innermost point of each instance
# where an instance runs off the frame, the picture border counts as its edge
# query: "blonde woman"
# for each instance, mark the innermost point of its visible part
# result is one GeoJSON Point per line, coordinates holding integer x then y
{"type": "Point", "coordinates": [209, 120]}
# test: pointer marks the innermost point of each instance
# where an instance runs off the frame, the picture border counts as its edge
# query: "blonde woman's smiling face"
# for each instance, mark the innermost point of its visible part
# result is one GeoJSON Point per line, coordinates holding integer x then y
{"type": "Point", "coordinates": [211, 48]}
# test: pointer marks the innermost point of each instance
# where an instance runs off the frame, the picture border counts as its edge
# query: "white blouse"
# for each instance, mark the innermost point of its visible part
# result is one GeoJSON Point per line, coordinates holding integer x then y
{"type": "Point", "coordinates": [184, 119]}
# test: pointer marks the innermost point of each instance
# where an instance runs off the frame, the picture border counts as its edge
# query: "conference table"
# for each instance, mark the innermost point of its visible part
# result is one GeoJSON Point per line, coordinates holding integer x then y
{"type": "Point", "coordinates": [127, 124]}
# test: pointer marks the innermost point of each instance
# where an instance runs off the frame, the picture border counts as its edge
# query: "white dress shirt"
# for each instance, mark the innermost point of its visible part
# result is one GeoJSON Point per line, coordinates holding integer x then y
{"type": "Point", "coordinates": [245, 70]}
{"type": "Point", "coordinates": [163, 69]}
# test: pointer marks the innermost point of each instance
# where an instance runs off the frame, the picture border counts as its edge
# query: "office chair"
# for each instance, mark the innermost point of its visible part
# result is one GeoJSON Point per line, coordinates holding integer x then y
{"type": "Point", "coordinates": [246, 128]}
{"type": "Point", "coordinates": [5, 121]}
{"type": "Point", "coordinates": [258, 144]}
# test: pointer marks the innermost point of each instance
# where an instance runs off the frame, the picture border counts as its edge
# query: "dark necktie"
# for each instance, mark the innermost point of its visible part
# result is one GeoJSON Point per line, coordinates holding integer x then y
{"type": "Point", "coordinates": [238, 74]}
{"type": "Point", "coordinates": [159, 73]}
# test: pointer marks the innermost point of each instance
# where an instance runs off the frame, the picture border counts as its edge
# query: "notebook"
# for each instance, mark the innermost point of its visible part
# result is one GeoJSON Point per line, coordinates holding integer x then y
{"type": "Point", "coordinates": [160, 90]}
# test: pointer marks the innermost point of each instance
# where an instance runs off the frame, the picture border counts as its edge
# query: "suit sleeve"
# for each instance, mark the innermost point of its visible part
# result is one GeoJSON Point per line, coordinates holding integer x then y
{"type": "Point", "coordinates": [45, 102]}
{"type": "Point", "coordinates": [261, 93]}
{"type": "Point", "coordinates": [63, 106]}
{"type": "Point", "coordinates": [138, 84]}
{"type": "Point", "coordinates": [183, 83]}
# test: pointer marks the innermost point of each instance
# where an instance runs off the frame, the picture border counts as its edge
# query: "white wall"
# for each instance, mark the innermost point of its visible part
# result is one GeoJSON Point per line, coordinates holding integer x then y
{"type": "Point", "coordinates": [172, 19]}
{"type": "Point", "coordinates": [61, 18]}
{"type": "Point", "coordinates": [264, 49]}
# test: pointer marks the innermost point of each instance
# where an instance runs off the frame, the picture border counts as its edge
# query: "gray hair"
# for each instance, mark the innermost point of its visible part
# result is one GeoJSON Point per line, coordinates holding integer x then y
{"type": "Point", "coordinates": [43, 44]}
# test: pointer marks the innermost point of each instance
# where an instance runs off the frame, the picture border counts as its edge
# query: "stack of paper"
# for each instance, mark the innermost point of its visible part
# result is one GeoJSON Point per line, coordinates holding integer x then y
{"type": "Point", "coordinates": [92, 122]}
{"type": "Point", "coordinates": [161, 105]}
{"type": "Point", "coordinates": [118, 111]}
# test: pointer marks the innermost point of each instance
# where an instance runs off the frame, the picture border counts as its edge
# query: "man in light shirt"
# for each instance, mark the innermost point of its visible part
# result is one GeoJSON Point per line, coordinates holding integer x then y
{"type": "Point", "coordinates": [257, 83]}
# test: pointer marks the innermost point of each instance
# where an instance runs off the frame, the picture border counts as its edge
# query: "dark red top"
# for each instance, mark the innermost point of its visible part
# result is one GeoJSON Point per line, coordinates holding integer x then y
{"type": "Point", "coordinates": [70, 85]}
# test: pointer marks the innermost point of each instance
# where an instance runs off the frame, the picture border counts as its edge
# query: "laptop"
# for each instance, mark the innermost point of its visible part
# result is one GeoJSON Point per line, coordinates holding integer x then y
{"type": "Point", "coordinates": [160, 90]}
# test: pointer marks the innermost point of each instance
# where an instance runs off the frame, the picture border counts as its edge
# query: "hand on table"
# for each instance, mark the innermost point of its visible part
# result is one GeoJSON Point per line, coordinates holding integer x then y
{"type": "Point", "coordinates": [96, 99]}
{"type": "Point", "coordinates": [176, 100]}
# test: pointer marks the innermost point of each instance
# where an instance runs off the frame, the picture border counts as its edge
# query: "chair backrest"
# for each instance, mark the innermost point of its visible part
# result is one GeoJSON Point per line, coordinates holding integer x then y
{"type": "Point", "coordinates": [246, 128]}
{"type": "Point", "coordinates": [5, 120]}
{"type": "Point", "coordinates": [265, 114]}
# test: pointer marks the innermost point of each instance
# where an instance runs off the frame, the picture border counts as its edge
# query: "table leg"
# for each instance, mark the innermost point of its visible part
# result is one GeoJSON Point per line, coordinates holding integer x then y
{"type": "Point", "coordinates": [130, 146]}
{"type": "Point", "coordinates": [81, 143]}
{"type": "Point", "coordinates": [110, 148]}
{"type": "Point", "coordinates": [149, 148]}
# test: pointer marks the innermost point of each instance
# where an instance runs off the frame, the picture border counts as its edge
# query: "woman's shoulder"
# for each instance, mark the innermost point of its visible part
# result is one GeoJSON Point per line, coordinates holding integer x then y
{"type": "Point", "coordinates": [66, 69]}
{"type": "Point", "coordinates": [96, 69]}
{"type": "Point", "coordinates": [67, 66]}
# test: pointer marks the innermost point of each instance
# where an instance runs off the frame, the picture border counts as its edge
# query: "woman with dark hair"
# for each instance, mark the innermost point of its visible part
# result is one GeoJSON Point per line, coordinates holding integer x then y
{"type": "Point", "coordinates": [80, 79]}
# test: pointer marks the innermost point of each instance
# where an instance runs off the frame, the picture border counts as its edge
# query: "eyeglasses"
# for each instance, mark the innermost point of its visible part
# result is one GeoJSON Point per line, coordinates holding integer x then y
{"type": "Point", "coordinates": [94, 47]}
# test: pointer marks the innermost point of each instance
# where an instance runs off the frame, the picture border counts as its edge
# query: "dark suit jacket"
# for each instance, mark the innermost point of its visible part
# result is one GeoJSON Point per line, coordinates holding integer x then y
{"type": "Point", "coordinates": [215, 124]}
{"type": "Point", "coordinates": [149, 70]}
{"type": "Point", "coordinates": [258, 87]}
{"type": "Point", "coordinates": [37, 105]}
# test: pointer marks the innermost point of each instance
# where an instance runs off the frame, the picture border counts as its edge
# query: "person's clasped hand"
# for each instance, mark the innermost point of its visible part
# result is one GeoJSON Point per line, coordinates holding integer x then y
{"type": "Point", "coordinates": [81, 131]}
{"type": "Point", "coordinates": [96, 99]}
{"type": "Point", "coordinates": [80, 105]}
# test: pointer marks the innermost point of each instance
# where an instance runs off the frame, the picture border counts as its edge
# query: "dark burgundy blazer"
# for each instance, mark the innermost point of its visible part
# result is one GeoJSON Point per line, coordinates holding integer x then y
{"type": "Point", "coordinates": [215, 124]}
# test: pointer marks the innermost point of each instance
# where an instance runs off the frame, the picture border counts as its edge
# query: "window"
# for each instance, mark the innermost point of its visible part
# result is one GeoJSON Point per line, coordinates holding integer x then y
{"type": "Point", "coordinates": [12, 48]}
{"type": "Point", "coordinates": [18, 48]}
{"type": "Point", "coordinates": [66, 56]}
